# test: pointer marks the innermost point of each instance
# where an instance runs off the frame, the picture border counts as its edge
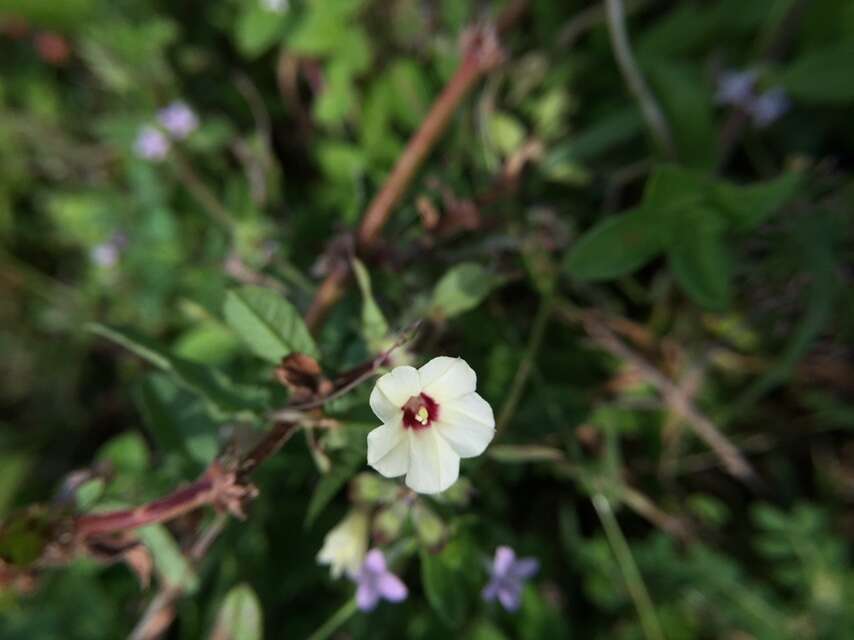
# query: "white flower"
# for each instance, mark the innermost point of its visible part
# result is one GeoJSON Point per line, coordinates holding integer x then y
{"type": "Point", "coordinates": [345, 545]}
{"type": "Point", "coordinates": [276, 6]}
{"type": "Point", "coordinates": [431, 418]}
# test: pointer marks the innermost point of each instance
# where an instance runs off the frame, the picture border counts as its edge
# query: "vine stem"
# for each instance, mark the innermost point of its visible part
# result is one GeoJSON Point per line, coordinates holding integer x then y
{"type": "Point", "coordinates": [335, 621]}
{"type": "Point", "coordinates": [631, 574]}
{"type": "Point", "coordinates": [482, 53]}
{"type": "Point", "coordinates": [616, 17]}
{"type": "Point", "coordinates": [535, 341]}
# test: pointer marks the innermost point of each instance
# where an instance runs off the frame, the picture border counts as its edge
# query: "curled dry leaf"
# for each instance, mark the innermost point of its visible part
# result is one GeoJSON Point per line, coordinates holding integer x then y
{"type": "Point", "coordinates": [303, 377]}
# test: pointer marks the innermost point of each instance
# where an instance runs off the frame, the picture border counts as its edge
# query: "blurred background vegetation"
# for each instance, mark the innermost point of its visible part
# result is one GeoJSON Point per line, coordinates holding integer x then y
{"type": "Point", "coordinates": [637, 229]}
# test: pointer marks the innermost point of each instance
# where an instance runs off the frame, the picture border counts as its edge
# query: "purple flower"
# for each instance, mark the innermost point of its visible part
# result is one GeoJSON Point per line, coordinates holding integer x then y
{"type": "Point", "coordinates": [508, 578]}
{"type": "Point", "coordinates": [769, 107]}
{"type": "Point", "coordinates": [178, 119]}
{"type": "Point", "coordinates": [736, 88]}
{"type": "Point", "coordinates": [151, 143]}
{"type": "Point", "coordinates": [376, 581]}
{"type": "Point", "coordinates": [108, 253]}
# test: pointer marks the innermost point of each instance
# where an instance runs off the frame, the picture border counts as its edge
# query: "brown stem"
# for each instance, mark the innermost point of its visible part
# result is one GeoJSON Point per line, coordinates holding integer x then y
{"type": "Point", "coordinates": [672, 395]}
{"type": "Point", "coordinates": [482, 53]}
{"type": "Point", "coordinates": [217, 486]}
{"type": "Point", "coordinates": [179, 502]}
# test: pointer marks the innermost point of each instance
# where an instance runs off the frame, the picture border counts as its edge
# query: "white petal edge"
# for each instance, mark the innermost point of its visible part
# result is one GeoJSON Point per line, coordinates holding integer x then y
{"type": "Point", "coordinates": [398, 385]}
{"type": "Point", "coordinates": [388, 449]}
{"type": "Point", "coordinates": [445, 378]}
{"type": "Point", "coordinates": [383, 408]}
{"type": "Point", "coordinates": [433, 464]}
{"type": "Point", "coordinates": [467, 424]}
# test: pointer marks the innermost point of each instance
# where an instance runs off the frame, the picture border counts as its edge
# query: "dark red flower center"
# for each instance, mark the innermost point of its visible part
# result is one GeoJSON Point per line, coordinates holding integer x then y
{"type": "Point", "coordinates": [419, 412]}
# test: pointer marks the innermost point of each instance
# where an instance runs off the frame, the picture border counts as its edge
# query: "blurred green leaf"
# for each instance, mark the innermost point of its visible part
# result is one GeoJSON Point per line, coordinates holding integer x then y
{"type": "Point", "coordinates": [699, 258]}
{"type": "Point", "coordinates": [221, 395]}
{"type": "Point", "coordinates": [127, 453]}
{"type": "Point", "coordinates": [257, 29]}
{"type": "Point", "coordinates": [617, 246]}
{"type": "Point", "coordinates": [463, 288]}
{"type": "Point", "coordinates": [686, 100]}
{"type": "Point", "coordinates": [374, 325]}
{"type": "Point", "coordinates": [25, 534]}
{"type": "Point", "coordinates": [823, 76]}
{"type": "Point", "coordinates": [347, 462]}
{"type": "Point", "coordinates": [14, 468]}
{"type": "Point", "coordinates": [270, 325]}
{"type": "Point", "coordinates": [176, 419]}
{"type": "Point", "coordinates": [169, 561]}
{"type": "Point", "coordinates": [750, 205]}
{"type": "Point", "coordinates": [440, 578]}
{"type": "Point", "coordinates": [240, 616]}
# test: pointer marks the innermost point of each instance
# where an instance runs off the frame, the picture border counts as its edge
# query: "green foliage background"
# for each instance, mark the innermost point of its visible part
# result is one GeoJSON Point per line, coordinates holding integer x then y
{"type": "Point", "coordinates": [727, 265]}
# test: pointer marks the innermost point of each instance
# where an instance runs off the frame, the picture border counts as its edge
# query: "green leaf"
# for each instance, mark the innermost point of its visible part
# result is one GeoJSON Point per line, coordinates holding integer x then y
{"type": "Point", "coordinates": [374, 325]}
{"type": "Point", "coordinates": [506, 132]}
{"type": "Point", "coordinates": [823, 76]}
{"type": "Point", "coordinates": [671, 187]}
{"type": "Point", "coordinates": [748, 206]}
{"type": "Point", "coordinates": [222, 396]}
{"type": "Point", "coordinates": [15, 467]}
{"type": "Point", "coordinates": [330, 484]}
{"type": "Point", "coordinates": [617, 246]}
{"type": "Point", "coordinates": [699, 258]}
{"type": "Point", "coordinates": [169, 562]}
{"type": "Point", "coordinates": [463, 288]}
{"type": "Point", "coordinates": [240, 616]}
{"type": "Point", "coordinates": [440, 575]}
{"type": "Point", "coordinates": [348, 462]}
{"type": "Point", "coordinates": [258, 29]}
{"type": "Point", "coordinates": [25, 534]}
{"type": "Point", "coordinates": [176, 419]}
{"type": "Point", "coordinates": [126, 452]}
{"type": "Point", "coordinates": [686, 100]}
{"type": "Point", "coordinates": [270, 325]}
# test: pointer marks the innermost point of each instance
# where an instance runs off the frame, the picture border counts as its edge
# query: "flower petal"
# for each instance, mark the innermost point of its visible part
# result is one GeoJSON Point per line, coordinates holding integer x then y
{"type": "Point", "coordinates": [524, 568]}
{"type": "Point", "coordinates": [388, 450]}
{"type": "Point", "coordinates": [467, 423]}
{"type": "Point", "coordinates": [383, 408]}
{"type": "Point", "coordinates": [490, 592]}
{"type": "Point", "coordinates": [367, 597]}
{"type": "Point", "coordinates": [398, 386]}
{"type": "Point", "coordinates": [375, 561]}
{"type": "Point", "coordinates": [509, 597]}
{"type": "Point", "coordinates": [433, 464]}
{"type": "Point", "coordinates": [392, 588]}
{"type": "Point", "coordinates": [445, 378]}
{"type": "Point", "coordinates": [504, 559]}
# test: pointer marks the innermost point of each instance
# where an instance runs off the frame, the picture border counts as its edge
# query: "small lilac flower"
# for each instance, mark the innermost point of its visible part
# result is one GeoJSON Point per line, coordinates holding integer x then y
{"type": "Point", "coordinates": [769, 107]}
{"type": "Point", "coordinates": [151, 144]}
{"type": "Point", "coordinates": [104, 255]}
{"type": "Point", "coordinates": [376, 581]}
{"type": "Point", "coordinates": [178, 119]}
{"type": "Point", "coordinates": [508, 577]}
{"type": "Point", "coordinates": [736, 88]}
{"type": "Point", "coordinates": [108, 253]}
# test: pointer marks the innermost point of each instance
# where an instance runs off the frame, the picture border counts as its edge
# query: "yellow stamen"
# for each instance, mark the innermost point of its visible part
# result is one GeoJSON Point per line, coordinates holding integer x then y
{"type": "Point", "coordinates": [423, 415]}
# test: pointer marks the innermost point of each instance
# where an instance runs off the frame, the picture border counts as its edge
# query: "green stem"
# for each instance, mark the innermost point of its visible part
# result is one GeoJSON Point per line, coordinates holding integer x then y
{"type": "Point", "coordinates": [524, 371]}
{"type": "Point", "coordinates": [338, 618]}
{"type": "Point", "coordinates": [616, 15]}
{"type": "Point", "coordinates": [631, 574]}
{"type": "Point", "coordinates": [199, 190]}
